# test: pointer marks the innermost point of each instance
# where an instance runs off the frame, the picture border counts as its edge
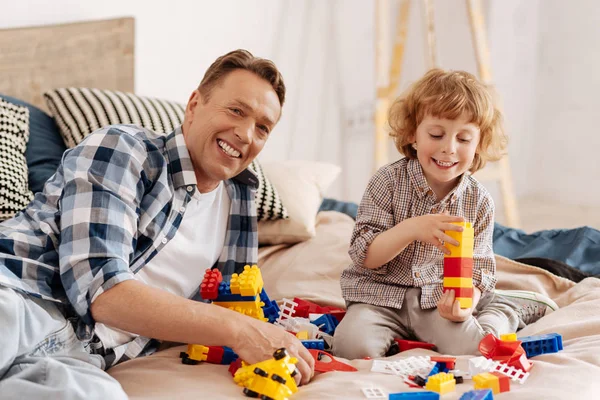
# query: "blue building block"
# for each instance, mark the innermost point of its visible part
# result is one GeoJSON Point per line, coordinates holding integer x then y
{"type": "Point", "coordinates": [420, 395]}
{"type": "Point", "coordinates": [541, 344]}
{"type": "Point", "coordinates": [314, 344]}
{"type": "Point", "coordinates": [437, 368]}
{"type": "Point", "coordinates": [229, 356]}
{"type": "Point", "coordinates": [326, 323]}
{"type": "Point", "coordinates": [225, 294]}
{"type": "Point", "coordinates": [485, 394]}
{"type": "Point", "coordinates": [270, 309]}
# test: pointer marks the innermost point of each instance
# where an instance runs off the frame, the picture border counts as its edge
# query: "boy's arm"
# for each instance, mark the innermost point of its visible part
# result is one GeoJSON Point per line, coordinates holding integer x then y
{"type": "Point", "coordinates": [484, 262]}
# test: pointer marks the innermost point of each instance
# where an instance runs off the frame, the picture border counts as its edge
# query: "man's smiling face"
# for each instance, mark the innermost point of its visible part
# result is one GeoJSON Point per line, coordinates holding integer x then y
{"type": "Point", "coordinates": [225, 132]}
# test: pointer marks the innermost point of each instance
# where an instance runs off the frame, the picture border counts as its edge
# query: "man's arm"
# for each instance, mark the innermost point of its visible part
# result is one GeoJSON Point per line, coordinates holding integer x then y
{"type": "Point", "coordinates": [136, 307]}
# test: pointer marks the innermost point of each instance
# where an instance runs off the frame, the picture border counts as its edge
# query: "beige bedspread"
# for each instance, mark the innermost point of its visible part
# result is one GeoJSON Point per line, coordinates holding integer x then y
{"type": "Point", "coordinates": [311, 270]}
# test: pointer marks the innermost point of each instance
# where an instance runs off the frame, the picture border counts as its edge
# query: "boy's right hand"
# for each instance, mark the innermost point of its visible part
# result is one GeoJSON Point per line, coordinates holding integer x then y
{"type": "Point", "coordinates": [430, 229]}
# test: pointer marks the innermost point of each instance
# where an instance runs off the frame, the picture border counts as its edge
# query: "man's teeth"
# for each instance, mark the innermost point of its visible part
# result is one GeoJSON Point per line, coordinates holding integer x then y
{"type": "Point", "coordinates": [228, 149]}
{"type": "Point", "coordinates": [444, 163]}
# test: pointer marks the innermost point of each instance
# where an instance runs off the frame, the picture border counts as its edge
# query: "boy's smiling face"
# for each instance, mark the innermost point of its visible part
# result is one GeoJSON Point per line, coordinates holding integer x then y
{"type": "Point", "coordinates": [445, 150]}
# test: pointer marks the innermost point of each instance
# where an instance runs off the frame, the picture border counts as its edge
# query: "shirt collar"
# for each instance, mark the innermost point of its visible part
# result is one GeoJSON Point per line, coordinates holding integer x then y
{"type": "Point", "coordinates": [182, 169]}
{"type": "Point", "coordinates": [180, 163]}
{"type": "Point", "coordinates": [419, 182]}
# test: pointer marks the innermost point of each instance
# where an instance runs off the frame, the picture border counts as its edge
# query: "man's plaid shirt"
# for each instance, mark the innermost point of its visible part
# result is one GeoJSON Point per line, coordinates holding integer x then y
{"type": "Point", "coordinates": [113, 204]}
{"type": "Point", "coordinates": [400, 191]}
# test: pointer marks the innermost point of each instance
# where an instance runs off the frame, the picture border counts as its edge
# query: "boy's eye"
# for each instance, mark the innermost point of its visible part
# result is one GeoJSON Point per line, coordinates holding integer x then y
{"type": "Point", "coordinates": [464, 140]}
{"type": "Point", "coordinates": [436, 135]}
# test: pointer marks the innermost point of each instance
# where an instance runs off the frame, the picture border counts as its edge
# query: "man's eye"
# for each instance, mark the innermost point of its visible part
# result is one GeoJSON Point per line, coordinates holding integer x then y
{"type": "Point", "coordinates": [236, 111]}
{"type": "Point", "coordinates": [263, 128]}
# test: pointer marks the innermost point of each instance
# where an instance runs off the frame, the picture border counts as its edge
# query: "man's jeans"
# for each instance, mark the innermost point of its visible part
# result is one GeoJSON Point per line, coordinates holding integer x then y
{"type": "Point", "coordinates": [41, 358]}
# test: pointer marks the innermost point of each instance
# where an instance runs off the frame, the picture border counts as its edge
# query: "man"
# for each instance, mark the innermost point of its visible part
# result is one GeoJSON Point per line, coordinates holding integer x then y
{"type": "Point", "coordinates": [118, 242]}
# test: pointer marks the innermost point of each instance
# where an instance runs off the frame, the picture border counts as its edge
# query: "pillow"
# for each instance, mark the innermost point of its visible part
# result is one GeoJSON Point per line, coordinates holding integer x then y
{"type": "Point", "coordinates": [14, 133]}
{"type": "Point", "coordinates": [80, 111]}
{"type": "Point", "coordinates": [301, 185]}
{"type": "Point", "coordinates": [45, 147]}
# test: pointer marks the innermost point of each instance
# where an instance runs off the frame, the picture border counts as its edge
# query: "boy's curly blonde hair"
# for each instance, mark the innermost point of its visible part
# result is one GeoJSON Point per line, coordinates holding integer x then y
{"type": "Point", "coordinates": [449, 94]}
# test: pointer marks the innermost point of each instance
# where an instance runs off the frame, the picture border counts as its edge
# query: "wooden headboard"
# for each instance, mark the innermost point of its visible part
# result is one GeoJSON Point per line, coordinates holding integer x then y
{"type": "Point", "coordinates": [97, 54]}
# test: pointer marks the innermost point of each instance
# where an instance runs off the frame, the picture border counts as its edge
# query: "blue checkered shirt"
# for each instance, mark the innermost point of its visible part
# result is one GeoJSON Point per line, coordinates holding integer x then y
{"type": "Point", "coordinates": [113, 204]}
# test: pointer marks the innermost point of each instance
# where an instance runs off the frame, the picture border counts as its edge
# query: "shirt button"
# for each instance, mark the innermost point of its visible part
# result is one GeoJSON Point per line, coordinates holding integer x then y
{"type": "Point", "coordinates": [182, 209]}
{"type": "Point", "coordinates": [164, 241]}
{"type": "Point", "coordinates": [417, 274]}
{"type": "Point", "coordinates": [190, 188]}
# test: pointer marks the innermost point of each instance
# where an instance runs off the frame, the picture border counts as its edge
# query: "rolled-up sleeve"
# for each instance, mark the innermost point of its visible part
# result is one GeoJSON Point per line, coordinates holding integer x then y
{"type": "Point", "coordinates": [103, 187]}
{"type": "Point", "coordinates": [375, 215]}
{"type": "Point", "coordinates": [484, 262]}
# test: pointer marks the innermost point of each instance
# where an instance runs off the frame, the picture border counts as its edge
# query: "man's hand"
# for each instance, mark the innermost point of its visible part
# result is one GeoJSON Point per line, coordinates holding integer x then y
{"type": "Point", "coordinates": [449, 307]}
{"type": "Point", "coordinates": [430, 229]}
{"type": "Point", "coordinates": [259, 340]}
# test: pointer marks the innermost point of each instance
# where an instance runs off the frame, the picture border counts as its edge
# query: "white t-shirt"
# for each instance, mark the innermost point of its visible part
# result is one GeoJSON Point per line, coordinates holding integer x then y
{"type": "Point", "coordinates": [180, 266]}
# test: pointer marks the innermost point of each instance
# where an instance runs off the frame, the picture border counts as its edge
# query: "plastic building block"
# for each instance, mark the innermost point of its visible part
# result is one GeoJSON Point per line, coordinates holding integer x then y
{"type": "Point", "coordinates": [270, 379]}
{"type": "Point", "coordinates": [511, 353]}
{"type": "Point", "coordinates": [326, 323]}
{"type": "Point", "coordinates": [421, 395]}
{"type": "Point", "coordinates": [225, 294]}
{"type": "Point", "coordinates": [209, 288]}
{"type": "Point", "coordinates": [446, 360]}
{"type": "Point", "coordinates": [478, 365]}
{"type": "Point", "coordinates": [484, 394]}
{"type": "Point", "coordinates": [302, 335]}
{"type": "Point", "coordinates": [195, 353]}
{"type": "Point", "coordinates": [234, 366]}
{"type": "Point", "coordinates": [542, 344]}
{"type": "Point", "coordinates": [248, 283]}
{"type": "Point", "coordinates": [442, 383]}
{"type": "Point", "coordinates": [229, 356]}
{"type": "Point", "coordinates": [250, 308]}
{"type": "Point", "coordinates": [325, 362]}
{"type": "Point", "coordinates": [270, 309]}
{"type": "Point", "coordinates": [407, 367]}
{"type": "Point", "coordinates": [314, 344]}
{"type": "Point", "coordinates": [411, 344]}
{"type": "Point", "coordinates": [492, 380]}
{"type": "Point", "coordinates": [215, 354]}
{"type": "Point", "coordinates": [458, 266]}
{"type": "Point", "coordinates": [305, 307]}
{"type": "Point", "coordinates": [373, 393]}
{"type": "Point", "coordinates": [509, 337]}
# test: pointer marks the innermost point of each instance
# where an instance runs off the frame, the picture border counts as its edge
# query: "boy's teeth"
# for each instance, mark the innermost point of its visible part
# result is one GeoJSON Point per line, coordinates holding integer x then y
{"type": "Point", "coordinates": [444, 164]}
{"type": "Point", "coordinates": [230, 151]}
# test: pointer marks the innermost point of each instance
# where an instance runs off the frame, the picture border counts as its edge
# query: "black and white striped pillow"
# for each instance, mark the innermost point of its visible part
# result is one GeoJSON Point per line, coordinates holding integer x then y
{"type": "Point", "coordinates": [14, 135]}
{"type": "Point", "coordinates": [80, 111]}
{"type": "Point", "coordinates": [268, 203]}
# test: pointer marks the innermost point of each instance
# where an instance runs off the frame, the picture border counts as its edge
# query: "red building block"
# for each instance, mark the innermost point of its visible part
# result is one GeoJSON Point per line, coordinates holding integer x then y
{"type": "Point", "coordinates": [460, 291]}
{"type": "Point", "coordinates": [508, 352]}
{"type": "Point", "coordinates": [209, 288]}
{"type": "Point", "coordinates": [458, 267]}
{"type": "Point", "coordinates": [234, 366]}
{"type": "Point", "coordinates": [215, 354]}
{"type": "Point", "coordinates": [449, 361]}
{"type": "Point", "coordinates": [411, 344]}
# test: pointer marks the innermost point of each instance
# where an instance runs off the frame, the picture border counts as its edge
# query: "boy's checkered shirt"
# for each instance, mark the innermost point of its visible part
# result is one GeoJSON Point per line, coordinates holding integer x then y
{"type": "Point", "coordinates": [400, 191]}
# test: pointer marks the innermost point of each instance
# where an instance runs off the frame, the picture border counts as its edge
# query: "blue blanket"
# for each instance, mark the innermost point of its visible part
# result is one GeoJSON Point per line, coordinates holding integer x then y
{"type": "Point", "coordinates": [579, 248]}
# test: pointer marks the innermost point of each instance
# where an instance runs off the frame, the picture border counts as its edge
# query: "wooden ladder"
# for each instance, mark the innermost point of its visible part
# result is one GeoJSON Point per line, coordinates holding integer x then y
{"type": "Point", "coordinates": [388, 81]}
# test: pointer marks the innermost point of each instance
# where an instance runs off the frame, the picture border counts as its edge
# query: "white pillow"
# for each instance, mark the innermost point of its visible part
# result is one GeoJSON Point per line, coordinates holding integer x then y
{"type": "Point", "coordinates": [301, 185]}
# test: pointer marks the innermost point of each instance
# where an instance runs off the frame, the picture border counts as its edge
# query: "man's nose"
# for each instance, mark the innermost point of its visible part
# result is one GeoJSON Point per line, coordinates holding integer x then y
{"type": "Point", "coordinates": [244, 131]}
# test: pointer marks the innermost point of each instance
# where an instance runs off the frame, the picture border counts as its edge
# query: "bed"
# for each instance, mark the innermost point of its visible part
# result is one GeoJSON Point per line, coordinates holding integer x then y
{"type": "Point", "coordinates": [308, 263]}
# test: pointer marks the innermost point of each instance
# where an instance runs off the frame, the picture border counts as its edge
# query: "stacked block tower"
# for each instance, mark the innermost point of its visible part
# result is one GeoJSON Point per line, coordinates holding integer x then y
{"type": "Point", "coordinates": [458, 266]}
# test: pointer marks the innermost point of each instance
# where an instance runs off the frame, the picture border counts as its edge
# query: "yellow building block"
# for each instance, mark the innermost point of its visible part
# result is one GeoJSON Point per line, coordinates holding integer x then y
{"type": "Point", "coordinates": [197, 352]}
{"type": "Point", "coordinates": [248, 283]}
{"type": "Point", "coordinates": [465, 302]}
{"type": "Point", "coordinates": [442, 383]}
{"type": "Point", "coordinates": [458, 282]}
{"type": "Point", "coordinates": [465, 250]}
{"type": "Point", "coordinates": [302, 335]}
{"type": "Point", "coordinates": [509, 337]}
{"type": "Point", "coordinates": [486, 380]}
{"type": "Point", "coordinates": [250, 308]}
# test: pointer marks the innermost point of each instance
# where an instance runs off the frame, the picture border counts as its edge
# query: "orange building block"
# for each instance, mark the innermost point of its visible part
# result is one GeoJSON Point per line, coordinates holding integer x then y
{"type": "Point", "coordinates": [492, 380]}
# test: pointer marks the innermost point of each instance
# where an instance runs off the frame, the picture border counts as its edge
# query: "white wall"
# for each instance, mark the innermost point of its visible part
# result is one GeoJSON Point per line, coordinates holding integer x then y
{"type": "Point", "coordinates": [544, 61]}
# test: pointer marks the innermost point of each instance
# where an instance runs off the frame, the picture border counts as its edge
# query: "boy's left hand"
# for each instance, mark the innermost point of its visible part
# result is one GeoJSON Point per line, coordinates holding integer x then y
{"type": "Point", "coordinates": [449, 307]}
